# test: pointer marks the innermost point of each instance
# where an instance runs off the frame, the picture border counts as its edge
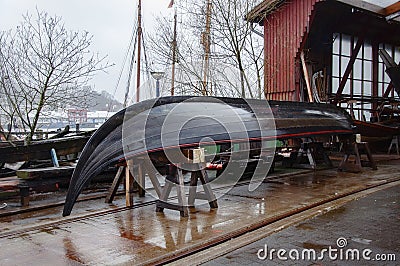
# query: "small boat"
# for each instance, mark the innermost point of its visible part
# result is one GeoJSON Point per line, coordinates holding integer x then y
{"type": "Point", "coordinates": [155, 127]}
{"type": "Point", "coordinates": [383, 132]}
{"type": "Point", "coordinates": [373, 132]}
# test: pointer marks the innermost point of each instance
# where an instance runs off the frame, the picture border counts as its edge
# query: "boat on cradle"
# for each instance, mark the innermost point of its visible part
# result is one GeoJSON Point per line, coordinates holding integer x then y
{"type": "Point", "coordinates": [376, 132]}
{"type": "Point", "coordinates": [384, 131]}
{"type": "Point", "coordinates": [155, 127]}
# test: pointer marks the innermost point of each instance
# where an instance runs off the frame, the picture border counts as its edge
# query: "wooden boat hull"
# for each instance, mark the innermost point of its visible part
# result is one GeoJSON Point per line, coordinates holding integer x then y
{"type": "Point", "coordinates": [373, 132]}
{"type": "Point", "coordinates": [156, 126]}
{"type": "Point", "coordinates": [40, 150]}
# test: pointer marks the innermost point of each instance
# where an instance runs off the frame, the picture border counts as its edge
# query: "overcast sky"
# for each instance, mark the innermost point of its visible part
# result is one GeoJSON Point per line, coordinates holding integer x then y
{"type": "Point", "coordinates": [110, 21]}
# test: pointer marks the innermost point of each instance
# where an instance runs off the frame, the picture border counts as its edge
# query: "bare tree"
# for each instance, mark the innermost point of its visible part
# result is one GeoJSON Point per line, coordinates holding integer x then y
{"type": "Point", "coordinates": [188, 55]}
{"type": "Point", "coordinates": [234, 47]}
{"type": "Point", "coordinates": [43, 65]}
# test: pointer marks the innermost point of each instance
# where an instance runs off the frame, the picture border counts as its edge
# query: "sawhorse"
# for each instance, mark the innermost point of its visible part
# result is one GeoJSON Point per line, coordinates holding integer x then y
{"type": "Point", "coordinates": [314, 151]}
{"type": "Point", "coordinates": [356, 149]}
{"type": "Point", "coordinates": [136, 182]}
{"type": "Point", "coordinates": [394, 142]}
{"type": "Point", "coordinates": [135, 170]}
{"type": "Point", "coordinates": [176, 179]}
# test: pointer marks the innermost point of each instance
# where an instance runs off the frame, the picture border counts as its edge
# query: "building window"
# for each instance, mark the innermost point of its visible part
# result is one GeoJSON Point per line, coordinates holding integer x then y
{"type": "Point", "coordinates": [359, 84]}
{"type": "Point", "coordinates": [383, 78]}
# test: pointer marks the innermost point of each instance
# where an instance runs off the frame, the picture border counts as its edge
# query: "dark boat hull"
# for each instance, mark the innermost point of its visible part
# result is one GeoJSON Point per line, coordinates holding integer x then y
{"type": "Point", "coordinates": [373, 132]}
{"type": "Point", "coordinates": [154, 127]}
{"type": "Point", "coordinates": [40, 150]}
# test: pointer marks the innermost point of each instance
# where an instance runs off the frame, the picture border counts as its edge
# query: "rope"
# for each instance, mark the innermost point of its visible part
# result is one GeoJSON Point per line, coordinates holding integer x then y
{"type": "Point", "coordinates": [314, 85]}
{"type": "Point", "coordinates": [133, 37]}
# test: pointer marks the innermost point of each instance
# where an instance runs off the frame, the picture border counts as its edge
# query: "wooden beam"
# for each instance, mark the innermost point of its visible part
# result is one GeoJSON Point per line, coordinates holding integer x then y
{"type": "Point", "coordinates": [375, 75]}
{"type": "Point", "coordinates": [259, 12]}
{"type": "Point", "coordinates": [153, 178]}
{"type": "Point", "coordinates": [306, 77]}
{"type": "Point", "coordinates": [140, 179]}
{"type": "Point", "coordinates": [129, 183]}
{"type": "Point", "coordinates": [385, 95]}
{"type": "Point", "coordinates": [363, 5]}
{"type": "Point", "coordinates": [114, 187]}
{"type": "Point", "coordinates": [389, 10]}
{"type": "Point", "coordinates": [348, 70]}
{"type": "Point", "coordinates": [389, 88]}
{"type": "Point", "coordinates": [49, 172]}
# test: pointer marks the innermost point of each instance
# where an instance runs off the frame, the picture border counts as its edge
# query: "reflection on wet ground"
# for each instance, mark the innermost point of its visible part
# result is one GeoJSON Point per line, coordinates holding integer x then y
{"type": "Point", "coordinates": [140, 235]}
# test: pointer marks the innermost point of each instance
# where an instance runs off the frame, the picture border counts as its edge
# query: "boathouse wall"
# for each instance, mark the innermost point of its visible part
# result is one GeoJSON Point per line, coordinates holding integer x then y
{"type": "Point", "coordinates": [284, 31]}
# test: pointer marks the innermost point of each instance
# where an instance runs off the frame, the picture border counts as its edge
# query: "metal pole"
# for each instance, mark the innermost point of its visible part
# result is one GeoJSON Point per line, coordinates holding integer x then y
{"type": "Point", "coordinates": [157, 88]}
{"type": "Point", "coordinates": [173, 55]}
{"type": "Point", "coordinates": [139, 48]}
{"type": "Point", "coordinates": [206, 43]}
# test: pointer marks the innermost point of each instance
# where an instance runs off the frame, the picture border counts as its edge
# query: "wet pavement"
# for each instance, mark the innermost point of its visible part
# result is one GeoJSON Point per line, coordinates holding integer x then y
{"type": "Point", "coordinates": [369, 224]}
{"type": "Point", "coordinates": [139, 235]}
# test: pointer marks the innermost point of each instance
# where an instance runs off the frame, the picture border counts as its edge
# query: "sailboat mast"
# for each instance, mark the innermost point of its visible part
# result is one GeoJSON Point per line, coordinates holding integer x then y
{"type": "Point", "coordinates": [173, 55]}
{"type": "Point", "coordinates": [138, 50]}
{"type": "Point", "coordinates": [206, 43]}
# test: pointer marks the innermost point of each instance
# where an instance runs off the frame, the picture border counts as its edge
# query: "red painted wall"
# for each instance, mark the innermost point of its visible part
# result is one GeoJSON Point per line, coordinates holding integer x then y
{"type": "Point", "coordinates": [283, 34]}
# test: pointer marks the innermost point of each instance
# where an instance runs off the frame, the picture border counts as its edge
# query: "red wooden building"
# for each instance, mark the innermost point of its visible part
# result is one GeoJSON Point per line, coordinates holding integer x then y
{"type": "Point", "coordinates": [327, 50]}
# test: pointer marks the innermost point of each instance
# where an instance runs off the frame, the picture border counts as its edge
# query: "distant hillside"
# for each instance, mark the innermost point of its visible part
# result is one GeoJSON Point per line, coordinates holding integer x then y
{"type": "Point", "coordinates": [101, 102]}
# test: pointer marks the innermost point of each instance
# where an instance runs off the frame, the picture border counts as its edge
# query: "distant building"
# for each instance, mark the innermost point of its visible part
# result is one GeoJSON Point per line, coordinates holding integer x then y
{"type": "Point", "coordinates": [87, 120]}
{"type": "Point", "coordinates": [77, 116]}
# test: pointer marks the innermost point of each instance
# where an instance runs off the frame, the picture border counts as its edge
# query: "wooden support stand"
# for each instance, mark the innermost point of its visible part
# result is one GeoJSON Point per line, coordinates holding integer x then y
{"type": "Point", "coordinates": [395, 142]}
{"type": "Point", "coordinates": [131, 184]}
{"type": "Point", "coordinates": [24, 194]}
{"type": "Point", "coordinates": [112, 191]}
{"type": "Point", "coordinates": [356, 149]}
{"type": "Point", "coordinates": [314, 152]}
{"type": "Point", "coordinates": [176, 179]}
{"type": "Point", "coordinates": [206, 195]}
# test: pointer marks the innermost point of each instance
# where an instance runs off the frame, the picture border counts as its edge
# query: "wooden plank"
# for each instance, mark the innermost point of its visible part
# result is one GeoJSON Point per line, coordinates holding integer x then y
{"type": "Point", "coordinates": [306, 77]}
{"type": "Point", "coordinates": [192, 189]}
{"type": "Point", "coordinates": [40, 150]}
{"type": "Point", "coordinates": [388, 90]}
{"type": "Point", "coordinates": [389, 10]}
{"type": "Point", "coordinates": [129, 181]}
{"type": "Point", "coordinates": [201, 196]}
{"type": "Point", "coordinates": [48, 172]}
{"type": "Point", "coordinates": [114, 187]}
{"type": "Point", "coordinates": [9, 185]}
{"type": "Point", "coordinates": [164, 196]}
{"type": "Point", "coordinates": [369, 156]}
{"type": "Point", "coordinates": [207, 189]}
{"type": "Point", "coordinates": [166, 205]}
{"type": "Point", "coordinates": [363, 5]}
{"type": "Point", "coordinates": [153, 178]}
{"type": "Point", "coordinates": [141, 179]}
{"type": "Point", "coordinates": [181, 193]}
